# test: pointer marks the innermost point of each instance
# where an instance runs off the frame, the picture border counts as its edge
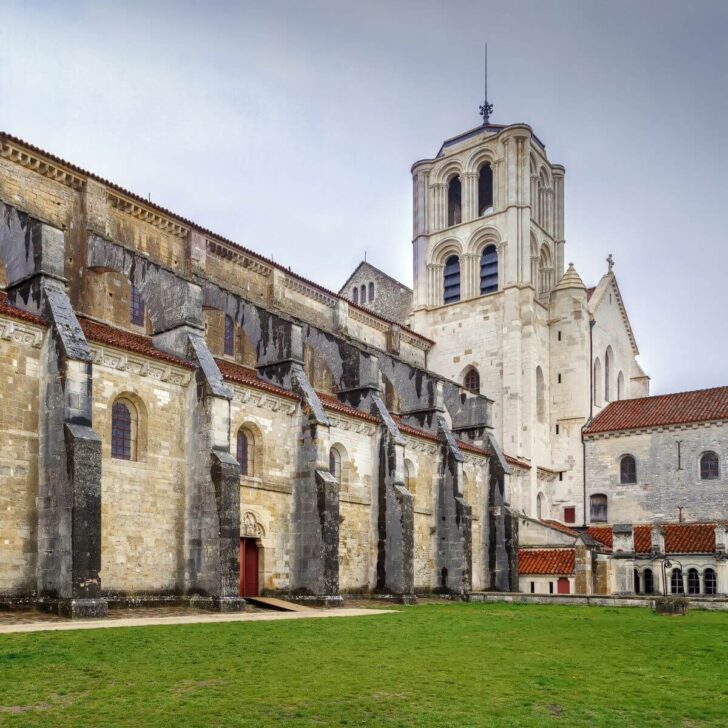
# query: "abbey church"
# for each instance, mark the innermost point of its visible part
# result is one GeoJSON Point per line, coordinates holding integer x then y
{"type": "Point", "coordinates": [184, 419]}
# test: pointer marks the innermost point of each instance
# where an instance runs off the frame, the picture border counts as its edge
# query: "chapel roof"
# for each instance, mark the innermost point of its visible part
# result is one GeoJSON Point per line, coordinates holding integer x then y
{"type": "Point", "coordinates": [546, 561]}
{"type": "Point", "coordinates": [680, 538]}
{"type": "Point", "coordinates": [704, 405]}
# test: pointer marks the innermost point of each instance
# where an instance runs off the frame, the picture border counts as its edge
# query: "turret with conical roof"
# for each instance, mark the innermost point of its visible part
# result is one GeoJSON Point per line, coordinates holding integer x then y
{"type": "Point", "coordinates": [571, 279]}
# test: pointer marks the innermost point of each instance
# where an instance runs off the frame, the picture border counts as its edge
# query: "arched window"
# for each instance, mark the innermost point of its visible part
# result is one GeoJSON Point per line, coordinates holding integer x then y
{"type": "Point", "coordinates": [545, 272]}
{"type": "Point", "coordinates": [229, 336]}
{"type": "Point", "coordinates": [676, 582]}
{"type": "Point", "coordinates": [709, 466]}
{"type": "Point", "coordinates": [636, 581]}
{"type": "Point", "coordinates": [335, 463]}
{"type": "Point", "coordinates": [608, 375]}
{"type": "Point", "coordinates": [597, 382]}
{"type": "Point", "coordinates": [245, 451]}
{"type": "Point", "coordinates": [371, 292]}
{"type": "Point", "coordinates": [627, 470]}
{"type": "Point", "coordinates": [649, 581]}
{"type": "Point", "coordinates": [137, 306]}
{"type": "Point", "coordinates": [355, 294]}
{"type": "Point", "coordinates": [711, 586]}
{"type": "Point", "coordinates": [539, 505]}
{"type": "Point", "coordinates": [485, 190]}
{"type": "Point", "coordinates": [693, 581]}
{"type": "Point", "coordinates": [540, 396]}
{"type": "Point", "coordinates": [124, 423]}
{"type": "Point", "coordinates": [454, 206]}
{"type": "Point", "coordinates": [598, 508]}
{"type": "Point", "coordinates": [409, 477]}
{"type": "Point", "coordinates": [363, 293]}
{"type": "Point", "coordinates": [489, 270]}
{"type": "Point", "coordinates": [472, 380]}
{"type": "Point", "coordinates": [620, 386]}
{"type": "Point", "coordinates": [451, 290]}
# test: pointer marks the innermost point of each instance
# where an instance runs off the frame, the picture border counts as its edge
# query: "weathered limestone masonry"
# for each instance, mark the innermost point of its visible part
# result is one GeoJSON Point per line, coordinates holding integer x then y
{"type": "Point", "coordinates": [69, 490]}
{"type": "Point", "coordinates": [300, 369]}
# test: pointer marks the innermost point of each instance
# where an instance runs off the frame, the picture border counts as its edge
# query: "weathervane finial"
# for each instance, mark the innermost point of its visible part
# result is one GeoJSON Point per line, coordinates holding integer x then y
{"type": "Point", "coordinates": [486, 109]}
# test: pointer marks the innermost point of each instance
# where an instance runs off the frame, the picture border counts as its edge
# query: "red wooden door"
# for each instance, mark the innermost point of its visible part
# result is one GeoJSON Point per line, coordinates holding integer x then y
{"type": "Point", "coordinates": [563, 585]}
{"type": "Point", "coordinates": [248, 567]}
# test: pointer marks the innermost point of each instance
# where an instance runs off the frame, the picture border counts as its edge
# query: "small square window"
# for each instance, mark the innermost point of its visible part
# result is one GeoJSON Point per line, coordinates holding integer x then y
{"type": "Point", "coordinates": [570, 514]}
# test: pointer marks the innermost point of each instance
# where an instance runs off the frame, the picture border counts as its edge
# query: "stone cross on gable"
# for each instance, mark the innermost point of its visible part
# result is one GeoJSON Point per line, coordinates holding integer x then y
{"type": "Point", "coordinates": [610, 262]}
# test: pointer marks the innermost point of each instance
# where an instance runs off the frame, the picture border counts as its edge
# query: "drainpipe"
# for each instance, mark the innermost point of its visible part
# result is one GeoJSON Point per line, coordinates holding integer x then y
{"type": "Point", "coordinates": [591, 414]}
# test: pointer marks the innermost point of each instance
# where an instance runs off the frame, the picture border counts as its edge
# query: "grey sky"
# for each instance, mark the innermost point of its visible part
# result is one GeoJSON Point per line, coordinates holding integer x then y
{"type": "Point", "coordinates": [291, 127]}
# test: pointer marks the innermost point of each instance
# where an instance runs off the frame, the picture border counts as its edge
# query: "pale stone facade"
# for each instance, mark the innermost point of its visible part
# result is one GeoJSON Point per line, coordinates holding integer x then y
{"type": "Point", "coordinates": [140, 353]}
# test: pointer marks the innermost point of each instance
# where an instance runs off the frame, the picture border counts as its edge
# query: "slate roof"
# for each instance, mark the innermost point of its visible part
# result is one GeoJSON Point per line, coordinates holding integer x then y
{"type": "Point", "coordinates": [705, 405]}
{"type": "Point", "coordinates": [545, 561]}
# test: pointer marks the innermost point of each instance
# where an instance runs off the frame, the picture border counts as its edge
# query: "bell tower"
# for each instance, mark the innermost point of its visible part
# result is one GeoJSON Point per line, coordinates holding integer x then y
{"type": "Point", "coordinates": [488, 214]}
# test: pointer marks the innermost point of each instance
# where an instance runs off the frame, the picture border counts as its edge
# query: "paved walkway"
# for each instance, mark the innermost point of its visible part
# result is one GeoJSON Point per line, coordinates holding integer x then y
{"type": "Point", "coordinates": [57, 626]}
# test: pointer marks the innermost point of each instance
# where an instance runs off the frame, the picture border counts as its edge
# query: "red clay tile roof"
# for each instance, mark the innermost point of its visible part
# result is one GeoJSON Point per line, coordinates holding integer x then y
{"type": "Point", "coordinates": [8, 309]}
{"type": "Point", "coordinates": [603, 534]}
{"type": "Point", "coordinates": [517, 461]}
{"type": "Point", "coordinates": [680, 538]}
{"type": "Point", "coordinates": [590, 292]}
{"type": "Point", "coordinates": [9, 138]}
{"type": "Point", "coordinates": [689, 538]}
{"type": "Point", "coordinates": [105, 334]}
{"type": "Point", "coordinates": [333, 403]}
{"type": "Point", "coordinates": [245, 375]}
{"type": "Point", "coordinates": [559, 526]}
{"type": "Point", "coordinates": [642, 539]}
{"type": "Point", "coordinates": [545, 561]}
{"type": "Point", "coordinates": [667, 409]}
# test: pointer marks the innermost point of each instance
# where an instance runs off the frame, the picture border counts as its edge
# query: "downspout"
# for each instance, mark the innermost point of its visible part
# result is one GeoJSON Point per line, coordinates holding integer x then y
{"type": "Point", "coordinates": [591, 414]}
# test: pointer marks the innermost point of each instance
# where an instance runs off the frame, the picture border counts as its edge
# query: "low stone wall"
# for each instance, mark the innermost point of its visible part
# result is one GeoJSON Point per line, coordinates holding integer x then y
{"type": "Point", "coordinates": [584, 600]}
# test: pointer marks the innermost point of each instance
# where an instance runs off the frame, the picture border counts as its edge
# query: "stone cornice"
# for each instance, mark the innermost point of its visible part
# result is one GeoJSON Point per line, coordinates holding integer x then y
{"type": "Point", "coordinates": [44, 167]}
{"type": "Point", "coordinates": [20, 332]}
{"type": "Point", "coordinates": [136, 210]}
{"type": "Point", "coordinates": [138, 365]}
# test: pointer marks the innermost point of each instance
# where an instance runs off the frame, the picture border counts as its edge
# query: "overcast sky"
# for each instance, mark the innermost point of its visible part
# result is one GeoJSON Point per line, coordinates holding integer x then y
{"type": "Point", "coordinates": [291, 127]}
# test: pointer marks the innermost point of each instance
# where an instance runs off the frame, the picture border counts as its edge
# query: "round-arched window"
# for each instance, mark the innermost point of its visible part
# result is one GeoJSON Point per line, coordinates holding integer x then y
{"type": "Point", "coordinates": [709, 466]}
{"type": "Point", "coordinates": [472, 380]}
{"type": "Point", "coordinates": [627, 470]}
{"type": "Point", "coordinates": [124, 425]}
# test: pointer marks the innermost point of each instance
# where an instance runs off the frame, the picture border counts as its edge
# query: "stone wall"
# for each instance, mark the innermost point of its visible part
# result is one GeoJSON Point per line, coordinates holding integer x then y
{"type": "Point", "coordinates": [664, 484]}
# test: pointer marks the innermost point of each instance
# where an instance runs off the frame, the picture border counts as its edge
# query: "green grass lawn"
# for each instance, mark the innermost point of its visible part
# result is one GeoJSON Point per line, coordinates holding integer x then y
{"type": "Point", "coordinates": [434, 665]}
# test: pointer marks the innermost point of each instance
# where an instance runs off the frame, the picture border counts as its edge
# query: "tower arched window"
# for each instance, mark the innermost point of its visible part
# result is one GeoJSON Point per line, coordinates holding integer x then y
{"type": "Point", "coordinates": [620, 386]}
{"type": "Point", "coordinates": [245, 451]}
{"type": "Point", "coordinates": [676, 582]}
{"type": "Point", "coordinates": [709, 466]}
{"type": "Point", "coordinates": [355, 294]}
{"type": "Point", "coordinates": [137, 306]}
{"type": "Point", "coordinates": [335, 463]}
{"type": "Point", "coordinates": [598, 508]}
{"type": "Point", "coordinates": [485, 190]}
{"type": "Point", "coordinates": [540, 396]}
{"type": "Point", "coordinates": [229, 336]}
{"type": "Point", "coordinates": [628, 470]}
{"type": "Point", "coordinates": [454, 201]}
{"type": "Point", "coordinates": [636, 581]}
{"type": "Point", "coordinates": [489, 270]}
{"type": "Point", "coordinates": [451, 282]}
{"type": "Point", "coordinates": [710, 583]}
{"type": "Point", "coordinates": [124, 427]}
{"type": "Point", "coordinates": [472, 380]}
{"type": "Point", "coordinates": [371, 292]}
{"type": "Point", "coordinates": [540, 505]}
{"type": "Point", "coordinates": [363, 290]}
